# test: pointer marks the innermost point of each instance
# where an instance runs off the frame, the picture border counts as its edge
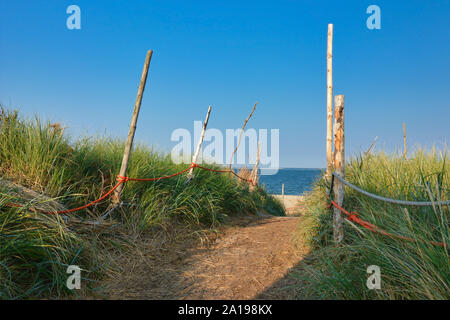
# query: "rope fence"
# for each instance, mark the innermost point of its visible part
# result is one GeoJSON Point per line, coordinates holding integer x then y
{"type": "Point", "coordinates": [353, 216]}
{"type": "Point", "coordinates": [121, 180]}
{"type": "Point", "coordinates": [400, 202]}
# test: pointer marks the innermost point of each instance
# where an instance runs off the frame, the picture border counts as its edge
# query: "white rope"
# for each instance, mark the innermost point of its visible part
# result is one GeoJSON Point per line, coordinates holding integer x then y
{"type": "Point", "coordinates": [401, 202]}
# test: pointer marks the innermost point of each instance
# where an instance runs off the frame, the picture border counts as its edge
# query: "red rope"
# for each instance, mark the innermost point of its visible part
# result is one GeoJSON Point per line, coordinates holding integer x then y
{"type": "Point", "coordinates": [74, 209]}
{"type": "Point", "coordinates": [121, 180]}
{"type": "Point", "coordinates": [156, 179]}
{"type": "Point", "coordinates": [224, 171]}
{"type": "Point", "coordinates": [353, 216]}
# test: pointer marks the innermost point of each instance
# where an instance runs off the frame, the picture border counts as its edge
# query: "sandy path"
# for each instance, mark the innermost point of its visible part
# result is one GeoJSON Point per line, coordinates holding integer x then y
{"type": "Point", "coordinates": [248, 260]}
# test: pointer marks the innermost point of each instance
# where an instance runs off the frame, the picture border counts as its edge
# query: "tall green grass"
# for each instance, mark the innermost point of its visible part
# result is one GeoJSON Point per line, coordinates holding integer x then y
{"type": "Point", "coordinates": [40, 157]}
{"type": "Point", "coordinates": [409, 270]}
{"type": "Point", "coordinates": [34, 254]}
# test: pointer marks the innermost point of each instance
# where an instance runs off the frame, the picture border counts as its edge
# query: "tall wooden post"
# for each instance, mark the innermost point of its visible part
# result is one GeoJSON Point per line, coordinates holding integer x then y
{"type": "Point", "coordinates": [339, 164]}
{"type": "Point", "coordinates": [329, 101]}
{"type": "Point", "coordinates": [282, 193]}
{"type": "Point", "coordinates": [199, 145]}
{"type": "Point", "coordinates": [134, 118]}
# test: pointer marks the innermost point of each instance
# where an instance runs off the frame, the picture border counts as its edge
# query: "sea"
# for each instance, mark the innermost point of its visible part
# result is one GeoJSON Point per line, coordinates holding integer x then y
{"type": "Point", "coordinates": [296, 180]}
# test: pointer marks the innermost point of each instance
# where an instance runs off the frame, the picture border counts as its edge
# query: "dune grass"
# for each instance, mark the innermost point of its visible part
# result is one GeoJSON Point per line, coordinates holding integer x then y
{"type": "Point", "coordinates": [35, 249]}
{"type": "Point", "coordinates": [409, 270]}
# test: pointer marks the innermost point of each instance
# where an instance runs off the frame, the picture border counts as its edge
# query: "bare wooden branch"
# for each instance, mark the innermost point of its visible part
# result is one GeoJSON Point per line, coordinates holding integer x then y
{"type": "Point", "coordinates": [134, 118]}
{"type": "Point", "coordinates": [199, 145]}
{"type": "Point", "coordinates": [339, 164]}
{"type": "Point", "coordinates": [242, 131]}
{"type": "Point", "coordinates": [329, 101]}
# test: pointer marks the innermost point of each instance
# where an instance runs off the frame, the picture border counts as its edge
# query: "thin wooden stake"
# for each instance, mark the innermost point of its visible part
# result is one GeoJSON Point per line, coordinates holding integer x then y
{"type": "Point", "coordinates": [369, 151]}
{"type": "Point", "coordinates": [339, 164]}
{"type": "Point", "coordinates": [240, 135]}
{"type": "Point", "coordinates": [404, 141]}
{"type": "Point", "coordinates": [254, 173]}
{"type": "Point", "coordinates": [199, 145]}
{"type": "Point", "coordinates": [282, 193]}
{"type": "Point", "coordinates": [134, 118]}
{"type": "Point", "coordinates": [329, 101]}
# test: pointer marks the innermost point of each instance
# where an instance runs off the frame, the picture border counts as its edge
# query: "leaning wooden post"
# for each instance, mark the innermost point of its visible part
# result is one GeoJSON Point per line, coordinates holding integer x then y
{"type": "Point", "coordinates": [339, 164]}
{"type": "Point", "coordinates": [129, 143]}
{"type": "Point", "coordinates": [240, 134]}
{"type": "Point", "coordinates": [199, 146]}
{"type": "Point", "coordinates": [329, 101]}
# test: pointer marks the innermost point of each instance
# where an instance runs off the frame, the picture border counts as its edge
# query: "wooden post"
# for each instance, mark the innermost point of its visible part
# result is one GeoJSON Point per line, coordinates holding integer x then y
{"type": "Point", "coordinates": [254, 173]}
{"type": "Point", "coordinates": [199, 145]}
{"type": "Point", "coordinates": [404, 141]}
{"type": "Point", "coordinates": [329, 101]}
{"type": "Point", "coordinates": [240, 134]}
{"type": "Point", "coordinates": [282, 193]}
{"type": "Point", "coordinates": [339, 164]}
{"type": "Point", "coordinates": [134, 118]}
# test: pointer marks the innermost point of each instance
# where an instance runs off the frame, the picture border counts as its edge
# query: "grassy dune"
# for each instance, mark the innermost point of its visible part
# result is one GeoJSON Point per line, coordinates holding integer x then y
{"type": "Point", "coordinates": [36, 248]}
{"type": "Point", "coordinates": [409, 270]}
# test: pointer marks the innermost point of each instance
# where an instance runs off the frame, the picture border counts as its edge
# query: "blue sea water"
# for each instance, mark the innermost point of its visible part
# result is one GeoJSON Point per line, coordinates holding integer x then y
{"type": "Point", "coordinates": [296, 181]}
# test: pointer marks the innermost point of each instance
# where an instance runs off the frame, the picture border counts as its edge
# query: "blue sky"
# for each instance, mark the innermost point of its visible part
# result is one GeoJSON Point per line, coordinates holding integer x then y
{"type": "Point", "coordinates": [231, 54]}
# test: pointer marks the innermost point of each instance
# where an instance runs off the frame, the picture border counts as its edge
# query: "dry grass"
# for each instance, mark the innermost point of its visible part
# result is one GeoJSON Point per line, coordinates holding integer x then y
{"type": "Point", "coordinates": [244, 173]}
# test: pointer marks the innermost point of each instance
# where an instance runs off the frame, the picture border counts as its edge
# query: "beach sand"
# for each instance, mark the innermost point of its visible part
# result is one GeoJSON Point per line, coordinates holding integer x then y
{"type": "Point", "coordinates": [292, 204]}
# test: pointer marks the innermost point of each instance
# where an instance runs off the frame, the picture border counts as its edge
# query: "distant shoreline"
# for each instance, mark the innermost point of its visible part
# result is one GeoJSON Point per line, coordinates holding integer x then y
{"type": "Point", "coordinates": [295, 181]}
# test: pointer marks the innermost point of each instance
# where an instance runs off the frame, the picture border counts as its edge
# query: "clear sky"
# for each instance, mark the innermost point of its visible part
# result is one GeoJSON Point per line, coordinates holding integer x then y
{"type": "Point", "coordinates": [231, 54]}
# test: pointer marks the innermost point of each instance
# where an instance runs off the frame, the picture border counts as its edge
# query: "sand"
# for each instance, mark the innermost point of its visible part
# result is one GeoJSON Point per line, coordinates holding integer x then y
{"type": "Point", "coordinates": [292, 204]}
